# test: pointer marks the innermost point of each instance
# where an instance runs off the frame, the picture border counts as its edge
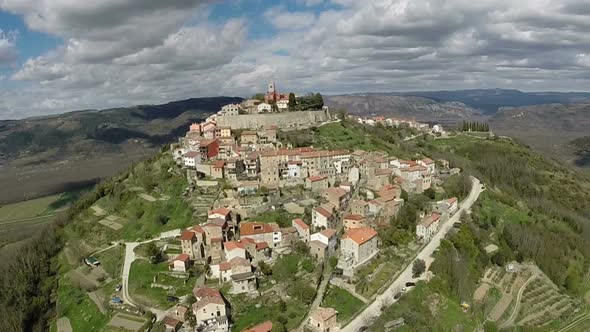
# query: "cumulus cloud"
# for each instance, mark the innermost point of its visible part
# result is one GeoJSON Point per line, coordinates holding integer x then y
{"type": "Point", "coordinates": [122, 52]}
{"type": "Point", "coordinates": [8, 52]}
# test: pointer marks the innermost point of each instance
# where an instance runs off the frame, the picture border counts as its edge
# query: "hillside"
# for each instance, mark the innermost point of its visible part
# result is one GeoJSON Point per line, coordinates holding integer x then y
{"type": "Point", "coordinates": [548, 128]}
{"type": "Point", "coordinates": [422, 109]}
{"type": "Point", "coordinates": [523, 209]}
{"type": "Point", "coordinates": [45, 155]}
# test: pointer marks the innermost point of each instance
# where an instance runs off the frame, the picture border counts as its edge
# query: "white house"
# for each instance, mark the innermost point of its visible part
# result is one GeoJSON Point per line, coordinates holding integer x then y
{"type": "Point", "coordinates": [327, 237]}
{"type": "Point", "coordinates": [264, 107]}
{"type": "Point", "coordinates": [180, 263]}
{"type": "Point", "coordinates": [294, 169]}
{"type": "Point", "coordinates": [234, 249]}
{"type": "Point", "coordinates": [428, 226]}
{"type": "Point", "coordinates": [321, 217]}
{"type": "Point", "coordinates": [230, 109]}
{"type": "Point", "coordinates": [191, 159]}
{"type": "Point", "coordinates": [283, 104]}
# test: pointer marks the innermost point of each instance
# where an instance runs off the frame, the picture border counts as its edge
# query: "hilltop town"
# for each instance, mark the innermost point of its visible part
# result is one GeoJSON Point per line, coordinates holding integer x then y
{"type": "Point", "coordinates": [338, 198]}
{"type": "Point", "coordinates": [266, 219]}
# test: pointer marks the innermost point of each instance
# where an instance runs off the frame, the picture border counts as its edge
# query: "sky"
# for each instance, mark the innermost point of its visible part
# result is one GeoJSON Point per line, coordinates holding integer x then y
{"type": "Point", "coordinates": [63, 55]}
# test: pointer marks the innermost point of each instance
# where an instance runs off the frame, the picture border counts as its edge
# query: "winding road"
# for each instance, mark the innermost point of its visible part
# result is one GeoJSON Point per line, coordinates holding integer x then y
{"type": "Point", "coordinates": [374, 309]}
{"type": "Point", "coordinates": [510, 320]}
{"type": "Point", "coordinates": [130, 258]}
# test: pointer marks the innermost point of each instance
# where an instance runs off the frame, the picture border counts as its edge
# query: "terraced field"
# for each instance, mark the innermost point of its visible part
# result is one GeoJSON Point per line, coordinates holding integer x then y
{"type": "Point", "coordinates": [528, 299]}
{"type": "Point", "coordinates": [543, 303]}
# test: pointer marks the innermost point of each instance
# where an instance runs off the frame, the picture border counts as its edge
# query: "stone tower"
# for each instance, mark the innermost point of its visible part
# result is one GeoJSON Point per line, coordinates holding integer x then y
{"type": "Point", "coordinates": [271, 88]}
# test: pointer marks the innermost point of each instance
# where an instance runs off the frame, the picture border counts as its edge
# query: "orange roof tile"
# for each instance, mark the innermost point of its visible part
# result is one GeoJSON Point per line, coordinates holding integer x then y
{"type": "Point", "coordinates": [261, 245]}
{"type": "Point", "coordinates": [231, 245]}
{"type": "Point", "coordinates": [328, 232]}
{"type": "Point", "coordinates": [299, 222]}
{"type": "Point", "coordinates": [323, 212]}
{"type": "Point", "coordinates": [253, 228]}
{"type": "Point", "coordinates": [354, 217]}
{"type": "Point", "coordinates": [221, 211]}
{"type": "Point", "coordinates": [360, 235]}
{"type": "Point", "coordinates": [187, 236]}
{"type": "Point", "coordinates": [317, 178]}
{"type": "Point", "coordinates": [182, 257]}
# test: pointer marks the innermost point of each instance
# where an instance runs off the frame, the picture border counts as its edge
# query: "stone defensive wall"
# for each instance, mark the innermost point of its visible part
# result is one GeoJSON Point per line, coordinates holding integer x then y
{"type": "Point", "coordinates": [281, 120]}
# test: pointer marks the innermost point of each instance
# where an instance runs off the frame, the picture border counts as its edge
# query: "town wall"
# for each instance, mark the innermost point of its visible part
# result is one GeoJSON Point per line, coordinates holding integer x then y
{"type": "Point", "coordinates": [281, 120]}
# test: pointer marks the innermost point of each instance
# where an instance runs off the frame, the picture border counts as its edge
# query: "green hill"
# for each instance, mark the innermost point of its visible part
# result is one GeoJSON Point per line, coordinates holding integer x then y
{"type": "Point", "coordinates": [530, 202]}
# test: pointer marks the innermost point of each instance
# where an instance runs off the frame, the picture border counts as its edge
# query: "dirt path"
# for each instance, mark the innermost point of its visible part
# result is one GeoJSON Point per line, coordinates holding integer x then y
{"type": "Point", "coordinates": [510, 320]}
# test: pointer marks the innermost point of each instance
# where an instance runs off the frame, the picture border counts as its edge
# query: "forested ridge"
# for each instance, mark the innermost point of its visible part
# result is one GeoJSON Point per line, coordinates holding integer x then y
{"type": "Point", "coordinates": [548, 204]}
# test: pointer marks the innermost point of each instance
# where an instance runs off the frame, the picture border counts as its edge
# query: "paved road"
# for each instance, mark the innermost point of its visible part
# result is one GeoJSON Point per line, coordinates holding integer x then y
{"type": "Point", "coordinates": [130, 258]}
{"type": "Point", "coordinates": [374, 309]}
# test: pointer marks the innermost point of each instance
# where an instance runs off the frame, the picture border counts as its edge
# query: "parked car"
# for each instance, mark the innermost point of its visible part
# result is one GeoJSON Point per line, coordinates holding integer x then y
{"type": "Point", "coordinates": [410, 284]}
{"type": "Point", "coordinates": [117, 300]}
{"type": "Point", "coordinates": [363, 328]}
{"type": "Point", "coordinates": [397, 296]}
{"type": "Point", "coordinates": [118, 288]}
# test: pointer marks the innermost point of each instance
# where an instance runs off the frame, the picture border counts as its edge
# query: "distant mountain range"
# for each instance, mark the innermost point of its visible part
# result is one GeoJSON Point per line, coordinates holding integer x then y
{"type": "Point", "coordinates": [456, 103]}
{"type": "Point", "coordinates": [47, 154]}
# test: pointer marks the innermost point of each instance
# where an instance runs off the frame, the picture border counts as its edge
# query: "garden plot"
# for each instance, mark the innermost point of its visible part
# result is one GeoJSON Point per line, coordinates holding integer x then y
{"type": "Point", "coordinates": [127, 322]}
{"type": "Point", "coordinates": [98, 211]}
{"type": "Point", "coordinates": [111, 222]}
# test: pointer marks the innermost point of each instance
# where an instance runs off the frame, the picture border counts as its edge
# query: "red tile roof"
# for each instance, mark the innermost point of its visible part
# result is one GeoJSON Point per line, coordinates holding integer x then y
{"type": "Point", "coordinates": [187, 236]}
{"type": "Point", "coordinates": [261, 245]}
{"type": "Point", "coordinates": [299, 222]}
{"type": "Point", "coordinates": [192, 154]}
{"type": "Point", "coordinates": [452, 200]}
{"type": "Point", "coordinates": [429, 220]}
{"type": "Point", "coordinates": [182, 257]}
{"type": "Point", "coordinates": [328, 232]}
{"type": "Point", "coordinates": [323, 212]}
{"type": "Point", "coordinates": [218, 163]}
{"type": "Point", "coordinates": [264, 327]}
{"type": "Point", "coordinates": [253, 228]}
{"type": "Point", "coordinates": [231, 245]}
{"type": "Point", "coordinates": [221, 211]}
{"type": "Point", "coordinates": [360, 235]}
{"type": "Point", "coordinates": [354, 217]}
{"type": "Point", "coordinates": [206, 291]}
{"type": "Point", "coordinates": [224, 266]}
{"type": "Point", "coordinates": [317, 178]}
{"type": "Point", "coordinates": [427, 161]}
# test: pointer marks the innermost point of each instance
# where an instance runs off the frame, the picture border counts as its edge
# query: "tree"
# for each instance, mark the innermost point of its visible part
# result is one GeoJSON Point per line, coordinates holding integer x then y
{"type": "Point", "coordinates": [292, 101]}
{"type": "Point", "coordinates": [430, 193]}
{"type": "Point", "coordinates": [191, 319]}
{"type": "Point", "coordinates": [153, 252]}
{"type": "Point", "coordinates": [418, 267]}
{"type": "Point", "coordinates": [265, 268]}
{"type": "Point", "coordinates": [342, 114]}
{"type": "Point", "coordinates": [333, 260]}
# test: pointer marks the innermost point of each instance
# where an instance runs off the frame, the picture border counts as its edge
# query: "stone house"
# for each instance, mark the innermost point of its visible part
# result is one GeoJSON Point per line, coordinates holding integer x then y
{"type": "Point", "coordinates": [323, 320]}
{"type": "Point", "coordinates": [428, 226]}
{"type": "Point", "coordinates": [359, 244]}
{"type": "Point", "coordinates": [336, 196]}
{"type": "Point", "coordinates": [302, 228]}
{"type": "Point", "coordinates": [320, 217]}
{"type": "Point", "coordinates": [359, 207]}
{"type": "Point", "coordinates": [327, 237]}
{"type": "Point", "coordinates": [316, 183]}
{"type": "Point", "coordinates": [353, 221]}
{"type": "Point", "coordinates": [210, 309]}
